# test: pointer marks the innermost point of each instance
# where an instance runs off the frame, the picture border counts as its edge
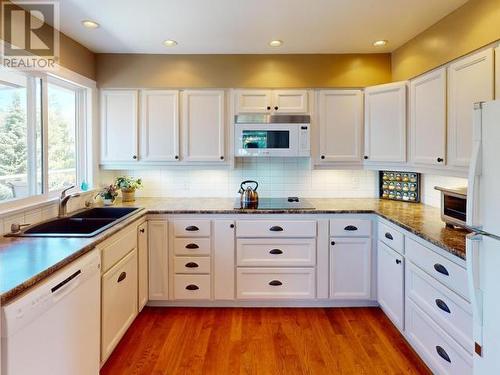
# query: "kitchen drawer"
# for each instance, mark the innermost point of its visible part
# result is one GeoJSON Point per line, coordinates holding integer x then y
{"type": "Point", "coordinates": [275, 283]}
{"type": "Point", "coordinates": [275, 228]}
{"type": "Point", "coordinates": [391, 237]}
{"type": "Point", "coordinates": [119, 302]}
{"type": "Point", "coordinates": [119, 245]}
{"type": "Point", "coordinates": [276, 252]}
{"type": "Point", "coordinates": [192, 265]}
{"type": "Point", "coordinates": [442, 269]}
{"type": "Point", "coordinates": [445, 307]}
{"type": "Point", "coordinates": [350, 227]}
{"type": "Point", "coordinates": [441, 353]}
{"type": "Point", "coordinates": [191, 228]}
{"type": "Point", "coordinates": [192, 246]}
{"type": "Point", "coordinates": [192, 286]}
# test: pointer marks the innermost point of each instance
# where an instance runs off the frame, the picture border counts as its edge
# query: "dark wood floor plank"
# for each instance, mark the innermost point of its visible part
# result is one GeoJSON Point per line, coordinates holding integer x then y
{"type": "Point", "coordinates": [263, 341]}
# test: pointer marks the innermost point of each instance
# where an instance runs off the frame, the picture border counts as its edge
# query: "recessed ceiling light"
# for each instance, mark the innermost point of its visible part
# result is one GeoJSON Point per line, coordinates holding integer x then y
{"type": "Point", "coordinates": [90, 24]}
{"type": "Point", "coordinates": [380, 43]}
{"type": "Point", "coordinates": [169, 43]}
{"type": "Point", "coordinates": [276, 43]}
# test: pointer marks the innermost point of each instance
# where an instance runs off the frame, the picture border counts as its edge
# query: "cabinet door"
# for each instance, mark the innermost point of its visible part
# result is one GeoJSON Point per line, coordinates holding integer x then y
{"type": "Point", "coordinates": [350, 268]}
{"type": "Point", "coordinates": [119, 125]}
{"type": "Point", "coordinates": [159, 125]}
{"type": "Point", "coordinates": [390, 287]}
{"type": "Point", "coordinates": [340, 125]}
{"type": "Point", "coordinates": [203, 125]}
{"type": "Point", "coordinates": [158, 260]}
{"type": "Point", "coordinates": [252, 101]}
{"type": "Point", "coordinates": [470, 80]}
{"type": "Point", "coordinates": [428, 118]}
{"type": "Point", "coordinates": [497, 73]}
{"type": "Point", "coordinates": [290, 101]}
{"type": "Point", "coordinates": [224, 259]}
{"type": "Point", "coordinates": [142, 248]}
{"type": "Point", "coordinates": [385, 123]}
{"type": "Point", "coordinates": [119, 302]}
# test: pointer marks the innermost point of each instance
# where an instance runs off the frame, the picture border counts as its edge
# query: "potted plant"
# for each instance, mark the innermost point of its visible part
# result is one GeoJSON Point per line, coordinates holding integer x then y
{"type": "Point", "coordinates": [128, 186]}
{"type": "Point", "coordinates": [108, 195]}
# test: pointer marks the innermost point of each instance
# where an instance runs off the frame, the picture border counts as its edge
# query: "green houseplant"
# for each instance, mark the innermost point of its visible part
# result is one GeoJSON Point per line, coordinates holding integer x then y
{"type": "Point", "coordinates": [128, 186]}
{"type": "Point", "coordinates": [108, 195]}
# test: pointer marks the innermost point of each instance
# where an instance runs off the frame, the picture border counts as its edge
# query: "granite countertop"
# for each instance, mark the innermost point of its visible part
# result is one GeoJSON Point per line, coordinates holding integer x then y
{"type": "Point", "coordinates": [25, 261]}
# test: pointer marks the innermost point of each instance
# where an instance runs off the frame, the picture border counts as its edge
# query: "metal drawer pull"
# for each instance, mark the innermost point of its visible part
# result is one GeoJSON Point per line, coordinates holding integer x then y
{"type": "Point", "coordinates": [275, 283]}
{"type": "Point", "coordinates": [192, 228]}
{"type": "Point", "coordinates": [442, 305]}
{"type": "Point", "coordinates": [192, 265]}
{"type": "Point", "coordinates": [441, 269]}
{"type": "Point", "coordinates": [351, 228]}
{"type": "Point", "coordinates": [276, 229]}
{"type": "Point", "coordinates": [275, 251]}
{"type": "Point", "coordinates": [389, 236]}
{"type": "Point", "coordinates": [192, 287]}
{"type": "Point", "coordinates": [122, 277]}
{"type": "Point", "coordinates": [442, 353]}
{"type": "Point", "coordinates": [192, 246]}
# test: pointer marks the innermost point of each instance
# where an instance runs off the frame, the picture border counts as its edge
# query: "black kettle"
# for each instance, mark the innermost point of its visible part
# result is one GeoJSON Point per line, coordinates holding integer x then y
{"type": "Point", "coordinates": [248, 195]}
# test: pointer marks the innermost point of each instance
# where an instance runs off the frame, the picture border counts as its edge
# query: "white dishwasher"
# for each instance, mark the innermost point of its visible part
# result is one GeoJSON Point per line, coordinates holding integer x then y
{"type": "Point", "coordinates": [54, 328]}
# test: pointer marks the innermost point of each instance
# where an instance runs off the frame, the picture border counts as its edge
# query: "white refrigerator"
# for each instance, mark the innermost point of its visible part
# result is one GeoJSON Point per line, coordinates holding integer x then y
{"type": "Point", "coordinates": [483, 245]}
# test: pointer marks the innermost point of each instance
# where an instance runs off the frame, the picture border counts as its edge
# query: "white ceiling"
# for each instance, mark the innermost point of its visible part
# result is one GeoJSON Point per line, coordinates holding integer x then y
{"type": "Point", "coordinates": [246, 26]}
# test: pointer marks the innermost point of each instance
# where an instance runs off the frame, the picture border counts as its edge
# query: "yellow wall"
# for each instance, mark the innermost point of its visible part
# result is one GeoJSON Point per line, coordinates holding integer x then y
{"type": "Point", "coordinates": [472, 26]}
{"type": "Point", "coordinates": [224, 71]}
{"type": "Point", "coordinates": [76, 57]}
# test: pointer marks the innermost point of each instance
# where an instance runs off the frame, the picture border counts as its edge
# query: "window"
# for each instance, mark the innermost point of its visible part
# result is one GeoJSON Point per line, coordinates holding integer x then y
{"type": "Point", "coordinates": [41, 135]}
{"type": "Point", "coordinates": [20, 137]}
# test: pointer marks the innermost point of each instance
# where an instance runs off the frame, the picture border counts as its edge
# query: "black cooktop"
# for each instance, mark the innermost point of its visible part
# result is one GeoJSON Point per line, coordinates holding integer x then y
{"type": "Point", "coordinates": [290, 203]}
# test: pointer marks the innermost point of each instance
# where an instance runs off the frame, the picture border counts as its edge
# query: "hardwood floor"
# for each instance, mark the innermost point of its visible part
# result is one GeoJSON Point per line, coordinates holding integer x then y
{"type": "Point", "coordinates": [263, 341]}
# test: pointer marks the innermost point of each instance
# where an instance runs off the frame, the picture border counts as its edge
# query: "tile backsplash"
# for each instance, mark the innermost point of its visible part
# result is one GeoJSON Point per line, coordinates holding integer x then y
{"type": "Point", "coordinates": [277, 177]}
{"type": "Point", "coordinates": [431, 196]}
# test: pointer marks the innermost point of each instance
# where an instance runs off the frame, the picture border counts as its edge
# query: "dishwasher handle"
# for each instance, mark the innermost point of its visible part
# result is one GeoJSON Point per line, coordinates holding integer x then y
{"type": "Point", "coordinates": [66, 286]}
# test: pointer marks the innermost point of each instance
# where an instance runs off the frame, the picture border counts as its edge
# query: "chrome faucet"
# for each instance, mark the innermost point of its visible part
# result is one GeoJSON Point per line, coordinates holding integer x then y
{"type": "Point", "coordinates": [63, 200]}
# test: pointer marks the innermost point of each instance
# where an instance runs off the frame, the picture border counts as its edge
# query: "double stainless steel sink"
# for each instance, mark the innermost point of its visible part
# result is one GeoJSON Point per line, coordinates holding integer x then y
{"type": "Point", "coordinates": [85, 223]}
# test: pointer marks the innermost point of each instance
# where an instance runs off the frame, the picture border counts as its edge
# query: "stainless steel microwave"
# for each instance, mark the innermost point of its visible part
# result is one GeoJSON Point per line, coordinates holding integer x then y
{"type": "Point", "coordinates": [453, 206]}
{"type": "Point", "coordinates": [272, 135]}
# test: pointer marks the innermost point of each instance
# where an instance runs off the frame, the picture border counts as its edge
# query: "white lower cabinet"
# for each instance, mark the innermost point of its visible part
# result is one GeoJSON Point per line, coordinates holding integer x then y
{"type": "Point", "coordinates": [158, 260]}
{"type": "Point", "coordinates": [119, 302]}
{"type": "Point", "coordinates": [192, 286]}
{"type": "Point", "coordinates": [390, 284]}
{"type": "Point", "coordinates": [350, 268]}
{"type": "Point", "coordinates": [142, 264]}
{"type": "Point", "coordinates": [276, 283]}
{"type": "Point", "coordinates": [440, 352]}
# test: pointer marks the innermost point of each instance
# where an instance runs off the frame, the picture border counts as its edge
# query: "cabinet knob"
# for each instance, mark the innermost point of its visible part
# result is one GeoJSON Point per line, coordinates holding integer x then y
{"type": "Point", "coordinates": [398, 261]}
{"type": "Point", "coordinates": [276, 108]}
{"type": "Point", "coordinates": [134, 157]}
{"type": "Point", "coordinates": [322, 156]}
{"type": "Point", "coordinates": [440, 160]}
{"type": "Point", "coordinates": [231, 226]}
{"type": "Point", "coordinates": [365, 157]}
{"type": "Point", "coordinates": [142, 230]}
{"type": "Point", "coordinates": [268, 107]}
{"type": "Point", "coordinates": [176, 157]}
{"type": "Point", "coordinates": [332, 243]}
{"type": "Point", "coordinates": [222, 158]}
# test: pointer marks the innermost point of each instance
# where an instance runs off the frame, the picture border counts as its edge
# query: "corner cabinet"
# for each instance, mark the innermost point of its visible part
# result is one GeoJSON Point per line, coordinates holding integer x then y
{"type": "Point", "coordinates": [340, 114]}
{"type": "Point", "coordinates": [470, 80]}
{"type": "Point", "coordinates": [428, 118]}
{"type": "Point", "coordinates": [119, 124]}
{"type": "Point", "coordinates": [385, 123]}
{"type": "Point", "coordinates": [271, 101]}
{"type": "Point", "coordinates": [159, 129]}
{"type": "Point", "coordinates": [203, 125]}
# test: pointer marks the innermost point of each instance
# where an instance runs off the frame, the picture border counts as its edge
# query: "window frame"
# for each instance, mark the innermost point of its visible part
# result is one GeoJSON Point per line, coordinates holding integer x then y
{"type": "Point", "coordinates": [85, 90]}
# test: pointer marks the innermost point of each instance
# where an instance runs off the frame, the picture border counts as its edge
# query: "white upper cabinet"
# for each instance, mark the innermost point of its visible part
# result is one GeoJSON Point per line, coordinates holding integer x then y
{"type": "Point", "coordinates": [159, 131]}
{"type": "Point", "coordinates": [119, 125]}
{"type": "Point", "coordinates": [253, 101]}
{"type": "Point", "coordinates": [203, 125]}
{"type": "Point", "coordinates": [290, 101]}
{"type": "Point", "coordinates": [428, 118]}
{"type": "Point", "coordinates": [340, 125]}
{"type": "Point", "coordinates": [385, 123]}
{"type": "Point", "coordinates": [470, 80]}
{"type": "Point", "coordinates": [271, 101]}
